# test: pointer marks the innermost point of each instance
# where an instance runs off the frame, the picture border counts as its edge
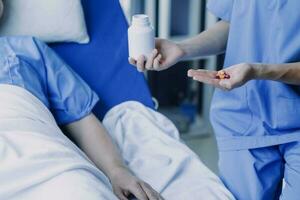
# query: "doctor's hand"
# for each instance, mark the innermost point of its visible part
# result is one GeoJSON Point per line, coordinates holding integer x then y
{"type": "Point", "coordinates": [166, 54]}
{"type": "Point", "coordinates": [238, 76]}
{"type": "Point", "coordinates": [125, 184]}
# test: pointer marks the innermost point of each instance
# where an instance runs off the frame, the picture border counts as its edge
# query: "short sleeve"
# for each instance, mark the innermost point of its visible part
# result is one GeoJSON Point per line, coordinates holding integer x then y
{"type": "Point", "coordinates": [70, 98]}
{"type": "Point", "coordinates": [221, 8]}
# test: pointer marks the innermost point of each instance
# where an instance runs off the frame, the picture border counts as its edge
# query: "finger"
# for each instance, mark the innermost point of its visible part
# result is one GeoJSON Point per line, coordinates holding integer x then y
{"type": "Point", "coordinates": [202, 72]}
{"type": "Point", "coordinates": [126, 193]}
{"type": "Point", "coordinates": [156, 63]}
{"type": "Point", "coordinates": [141, 63]}
{"type": "Point", "coordinates": [138, 192]}
{"type": "Point", "coordinates": [151, 193]}
{"type": "Point", "coordinates": [120, 195]}
{"type": "Point", "coordinates": [149, 63]}
{"type": "Point", "coordinates": [207, 80]}
{"type": "Point", "coordinates": [132, 61]}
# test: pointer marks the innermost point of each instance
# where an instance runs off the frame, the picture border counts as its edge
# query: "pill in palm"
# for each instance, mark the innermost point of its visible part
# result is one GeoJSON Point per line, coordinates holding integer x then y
{"type": "Point", "coordinates": [222, 75]}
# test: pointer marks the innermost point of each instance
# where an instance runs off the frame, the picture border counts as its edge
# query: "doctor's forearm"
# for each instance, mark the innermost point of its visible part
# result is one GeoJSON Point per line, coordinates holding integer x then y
{"type": "Point", "coordinates": [210, 42]}
{"type": "Point", "coordinates": [94, 140]}
{"type": "Point", "coordinates": [288, 73]}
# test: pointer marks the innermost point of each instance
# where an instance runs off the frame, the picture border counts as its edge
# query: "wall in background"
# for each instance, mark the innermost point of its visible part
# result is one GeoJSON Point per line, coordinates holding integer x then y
{"type": "Point", "coordinates": [179, 97]}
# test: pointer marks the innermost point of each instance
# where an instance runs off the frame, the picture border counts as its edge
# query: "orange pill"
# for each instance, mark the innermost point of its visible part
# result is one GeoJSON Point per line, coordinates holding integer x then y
{"type": "Point", "coordinates": [222, 75]}
{"type": "Point", "coordinates": [221, 72]}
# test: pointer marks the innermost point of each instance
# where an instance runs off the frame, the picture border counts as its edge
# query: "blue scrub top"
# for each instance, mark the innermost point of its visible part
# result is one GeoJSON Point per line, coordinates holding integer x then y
{"type": "Point", "coordinates": [260, 113]}
{"type": "Point", "coordinates": [29, 63]}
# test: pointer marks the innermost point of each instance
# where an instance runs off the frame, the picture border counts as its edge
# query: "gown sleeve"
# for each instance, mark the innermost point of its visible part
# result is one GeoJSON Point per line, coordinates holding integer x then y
{"type": "Point", "coordinates": [70, 98]}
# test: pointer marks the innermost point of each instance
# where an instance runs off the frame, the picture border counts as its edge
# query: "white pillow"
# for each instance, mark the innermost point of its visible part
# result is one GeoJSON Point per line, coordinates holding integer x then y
{"type": "Point", "coordinates": [48, 20]}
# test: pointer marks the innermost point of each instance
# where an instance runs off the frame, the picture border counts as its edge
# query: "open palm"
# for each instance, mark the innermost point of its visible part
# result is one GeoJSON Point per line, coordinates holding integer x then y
{"type": "Point", "coordinates": [239, 75]}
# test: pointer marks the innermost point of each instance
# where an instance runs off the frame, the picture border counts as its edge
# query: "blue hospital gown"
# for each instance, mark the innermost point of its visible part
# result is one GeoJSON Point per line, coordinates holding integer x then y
{"type": "Point", "coordinates": [261, 113]}
{"type": "Point", "coordinates": [29, 63]}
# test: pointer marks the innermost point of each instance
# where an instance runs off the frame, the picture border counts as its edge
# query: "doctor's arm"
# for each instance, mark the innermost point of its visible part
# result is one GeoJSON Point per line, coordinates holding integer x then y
{"type": "Point", "coordinates": [92, 138]}
{"type": "Point", "coordinates": [240, 74]}
{"type": "Point", "coordinates": [167, 53]}
{"type": "Point", "coordinates": [288, 73]}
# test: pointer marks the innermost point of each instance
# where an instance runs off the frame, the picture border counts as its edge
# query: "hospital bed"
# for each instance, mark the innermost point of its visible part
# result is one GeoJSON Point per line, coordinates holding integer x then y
{"type": "Point", "coordinates": [151, 147]}
{"type": "Point", "coordinates": [103, 63]}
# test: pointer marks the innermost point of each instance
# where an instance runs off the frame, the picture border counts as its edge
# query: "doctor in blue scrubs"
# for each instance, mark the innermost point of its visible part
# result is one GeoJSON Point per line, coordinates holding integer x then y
{"type": "Point", "coordinates": [256, 112]}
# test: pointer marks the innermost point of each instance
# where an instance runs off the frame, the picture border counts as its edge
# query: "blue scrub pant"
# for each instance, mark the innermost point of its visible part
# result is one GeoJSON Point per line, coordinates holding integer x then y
{"type": "Point", "coordinates": [257, 174]}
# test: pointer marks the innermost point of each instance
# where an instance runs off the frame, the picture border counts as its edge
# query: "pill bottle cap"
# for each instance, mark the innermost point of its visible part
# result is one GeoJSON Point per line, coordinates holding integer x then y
{"type": "Point", "coordinates": [140, 20]}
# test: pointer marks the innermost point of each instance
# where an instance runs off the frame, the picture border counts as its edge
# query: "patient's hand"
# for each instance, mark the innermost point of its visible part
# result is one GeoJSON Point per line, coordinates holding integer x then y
{"type": "Point", "coordinates": [126, 184]}
{"type": "Point", "coordinates": [92, 138]}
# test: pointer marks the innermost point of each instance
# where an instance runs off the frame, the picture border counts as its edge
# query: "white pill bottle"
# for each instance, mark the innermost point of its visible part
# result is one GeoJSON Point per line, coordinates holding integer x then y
{"type": "Point", "coordinates": [141, 39]}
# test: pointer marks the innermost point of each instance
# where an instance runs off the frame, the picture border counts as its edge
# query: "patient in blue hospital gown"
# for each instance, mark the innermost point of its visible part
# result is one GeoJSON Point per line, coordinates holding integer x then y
{"type": "Point", "coordinates": [30, 64]}
{"type": "Point", "coordinates": [37, 162]}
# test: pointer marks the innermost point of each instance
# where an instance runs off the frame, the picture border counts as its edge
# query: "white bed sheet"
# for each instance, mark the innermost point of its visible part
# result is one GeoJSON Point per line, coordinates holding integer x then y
{"type": "Point", "coordinates": [37, 162]}
{"type": "Point", "coordinates": [151, 146]}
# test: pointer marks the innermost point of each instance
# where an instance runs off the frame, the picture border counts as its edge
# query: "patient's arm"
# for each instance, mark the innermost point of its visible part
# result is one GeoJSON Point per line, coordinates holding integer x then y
{"type": "Point", "coordinates": [92, 138]}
